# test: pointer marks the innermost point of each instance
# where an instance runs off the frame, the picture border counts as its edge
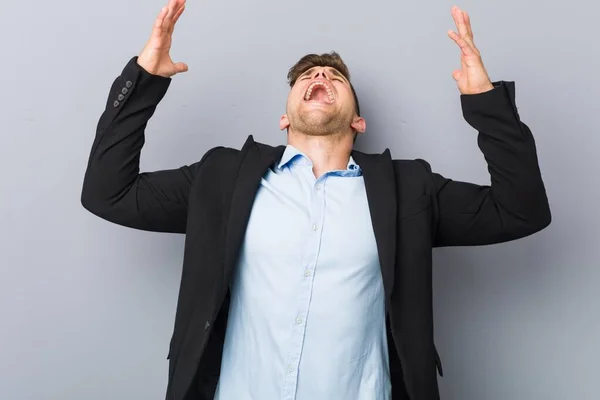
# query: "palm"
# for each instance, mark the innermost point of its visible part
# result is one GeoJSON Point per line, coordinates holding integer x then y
{"type": "Point", "coordinates": [471, 78]}
{"type": "Point", "coordinates": [155, 57]}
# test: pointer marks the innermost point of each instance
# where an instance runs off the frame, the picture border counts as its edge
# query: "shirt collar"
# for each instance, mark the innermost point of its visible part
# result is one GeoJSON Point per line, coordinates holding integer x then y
{"type": "Point", "coordinates": [293, 156]}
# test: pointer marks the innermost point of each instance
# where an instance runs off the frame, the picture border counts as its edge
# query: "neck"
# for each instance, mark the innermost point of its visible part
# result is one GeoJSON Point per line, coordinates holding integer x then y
{"type": "Point", "coordinates": [327, 153]}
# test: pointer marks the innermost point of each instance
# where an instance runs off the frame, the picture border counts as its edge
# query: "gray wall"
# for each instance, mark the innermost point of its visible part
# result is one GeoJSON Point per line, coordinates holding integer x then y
{"type": "Point", "coordinates": [87, 307]}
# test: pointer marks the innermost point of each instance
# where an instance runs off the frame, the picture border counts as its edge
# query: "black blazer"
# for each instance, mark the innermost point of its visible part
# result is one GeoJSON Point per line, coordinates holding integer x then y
{"type": "Point", "coordinates": [413, 210]}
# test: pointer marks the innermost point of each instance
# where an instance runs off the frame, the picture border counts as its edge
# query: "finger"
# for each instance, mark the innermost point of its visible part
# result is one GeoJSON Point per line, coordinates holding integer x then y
{"type": "Point", "coordinates": [456, 74]}
{"type": "Point", "coordinates": [173, 8]}
{"type": "Point", "coordinates": [470, 37]}
{"type": "Point", "coordinates": [464, 27]}
{"type": "Point", "coordinates": [176, 16]}
{"type": "Point", "coordinates": [181, 67]}
{"type": "Point", "coordinates": [158, 24]}
{"type": "Point", "coordinates": [175, 4]}
{"type": "Point", "coordinates": [459, 20]}
{"type": "Point", "coordinates": [468, 24]}
{"type": "Point", "coordinates": [465, 47]}
{"type": "Point", "coordinates": [168, 21]}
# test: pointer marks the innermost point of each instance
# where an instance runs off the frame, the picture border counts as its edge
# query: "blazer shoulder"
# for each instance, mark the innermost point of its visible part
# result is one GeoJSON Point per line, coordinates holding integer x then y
{"type": "Point", "coordinates": [412, 169]}
{"type": "Point", "coordinates": [222, 154]}
{"type": "Point", "coordinates": [215, 162]}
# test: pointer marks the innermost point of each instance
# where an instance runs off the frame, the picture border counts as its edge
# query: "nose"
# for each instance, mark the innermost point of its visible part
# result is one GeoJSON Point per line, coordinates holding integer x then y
{"type": "Point", "coordinates": [320, 73]}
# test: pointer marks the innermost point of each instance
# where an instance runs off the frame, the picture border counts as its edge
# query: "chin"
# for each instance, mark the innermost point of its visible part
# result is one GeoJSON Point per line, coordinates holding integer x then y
{"type": "Point", "coordinates": [318, 121]}
{"type": "Point", "coordinates": [319, 127]}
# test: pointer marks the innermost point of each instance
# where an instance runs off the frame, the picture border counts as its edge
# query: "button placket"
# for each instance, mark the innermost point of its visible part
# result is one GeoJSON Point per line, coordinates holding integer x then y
{"type": "Point", "coordinates": [309, 261]}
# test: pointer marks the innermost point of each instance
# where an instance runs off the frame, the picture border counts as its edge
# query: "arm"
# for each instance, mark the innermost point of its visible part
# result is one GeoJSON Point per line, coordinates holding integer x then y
{"type": "Point", "coordinates": [113, 187]}
{"type": "Point", "coordinates": [515, 204]}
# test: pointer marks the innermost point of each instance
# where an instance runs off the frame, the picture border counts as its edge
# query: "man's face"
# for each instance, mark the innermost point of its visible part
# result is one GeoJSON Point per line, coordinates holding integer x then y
{"type": "Point", "coordinates": [321, 103]}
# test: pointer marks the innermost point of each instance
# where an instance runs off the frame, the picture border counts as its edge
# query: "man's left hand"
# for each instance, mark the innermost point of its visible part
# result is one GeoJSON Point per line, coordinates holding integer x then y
{"type": "Point", "coordinates": [472, 78]}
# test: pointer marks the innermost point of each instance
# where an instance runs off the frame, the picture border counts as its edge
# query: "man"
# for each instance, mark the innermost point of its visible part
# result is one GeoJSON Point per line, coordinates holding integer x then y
{"type": "Point", "coordinates": [307, 268]}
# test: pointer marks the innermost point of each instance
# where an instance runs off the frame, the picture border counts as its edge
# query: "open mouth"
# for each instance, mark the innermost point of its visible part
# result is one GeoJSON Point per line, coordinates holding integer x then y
{"type": "Point", "coordinates": [319, 91]}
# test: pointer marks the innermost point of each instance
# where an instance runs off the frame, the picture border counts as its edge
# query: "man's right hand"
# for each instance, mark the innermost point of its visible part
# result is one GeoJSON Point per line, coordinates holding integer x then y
{"type": "Point", "coordinates": [155, 57]}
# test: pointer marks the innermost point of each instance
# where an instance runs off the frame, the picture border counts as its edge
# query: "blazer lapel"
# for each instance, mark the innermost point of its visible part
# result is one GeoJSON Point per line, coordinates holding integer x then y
{"type": "Point", "coordinates": [256, 159]}
{"type": "Point", "coordinates": [380, 184]}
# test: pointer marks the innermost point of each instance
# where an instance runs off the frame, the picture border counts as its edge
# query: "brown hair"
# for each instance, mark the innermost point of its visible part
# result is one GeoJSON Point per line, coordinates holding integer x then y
{"type": "Point", "coordinates": [331, 59]}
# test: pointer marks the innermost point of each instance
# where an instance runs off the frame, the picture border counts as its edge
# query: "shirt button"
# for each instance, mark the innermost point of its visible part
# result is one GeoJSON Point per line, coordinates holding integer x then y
{"type": "Point", "coordinates": [307, 273]}
{"type": "Point", "coordinates": [298, 321]}
{"type": "Point", "coordinates": [291, 368]}
{"type": "Point", "coordinates": [315, 227]}
{"type": "Point", "coordinates": [318, 187]}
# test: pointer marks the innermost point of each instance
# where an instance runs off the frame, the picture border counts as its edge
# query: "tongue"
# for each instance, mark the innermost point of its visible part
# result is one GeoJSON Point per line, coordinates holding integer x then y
{"type": "Point", "coordinates": [320, 94]}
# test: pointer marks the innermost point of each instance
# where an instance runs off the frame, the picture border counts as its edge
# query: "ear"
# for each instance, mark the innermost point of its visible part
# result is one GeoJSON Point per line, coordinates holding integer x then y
{"type": "Point", "coordinates": [359, 124]}
{"type": "Point", "coordinates": [284, 122]}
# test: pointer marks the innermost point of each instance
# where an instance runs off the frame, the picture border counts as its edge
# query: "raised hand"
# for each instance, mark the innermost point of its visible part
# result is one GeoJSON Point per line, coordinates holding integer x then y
{"type": "Point", "coordinates": [472, 78]}
{"type": "Point", "coordinates": [155, 57]}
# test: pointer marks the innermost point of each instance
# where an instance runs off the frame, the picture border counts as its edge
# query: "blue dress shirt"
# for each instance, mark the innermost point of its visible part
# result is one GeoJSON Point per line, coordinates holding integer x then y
{"type": "Point", "coordinates": [307, 312]}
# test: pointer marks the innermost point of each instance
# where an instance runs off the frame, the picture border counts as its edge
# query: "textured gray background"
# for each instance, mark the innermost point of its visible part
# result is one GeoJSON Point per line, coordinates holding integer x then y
{"type": "Point", "coordinates": [87, 307]}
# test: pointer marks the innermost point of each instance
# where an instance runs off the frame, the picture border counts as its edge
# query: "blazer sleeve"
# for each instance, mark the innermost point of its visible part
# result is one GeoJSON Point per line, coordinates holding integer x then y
{"type": "Point", "coordinates": [113, 187]}
{"type": "Point", "coordinates": [515, 204]}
